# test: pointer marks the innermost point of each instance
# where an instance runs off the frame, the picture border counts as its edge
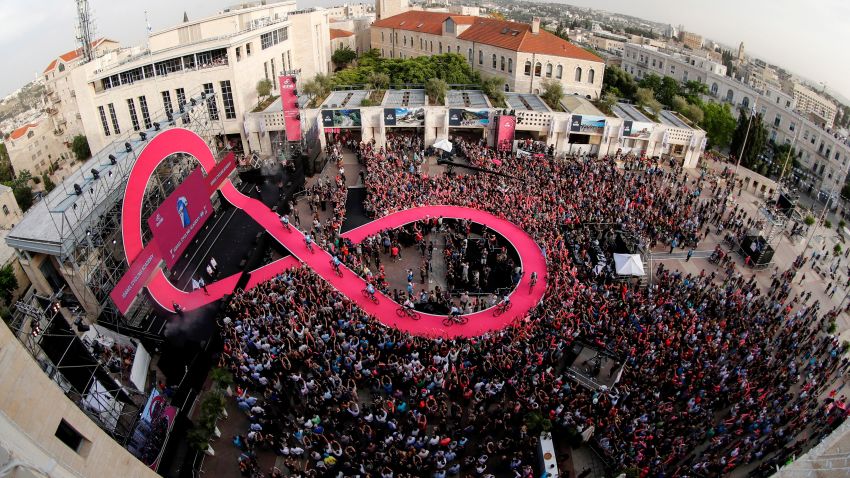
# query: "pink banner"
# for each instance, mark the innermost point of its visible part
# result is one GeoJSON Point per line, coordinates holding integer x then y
{"type": "Point", "coordinates": [136, 277]}
{"type": "Point", "coordinates": [176, 221]}
{"type": "Point", "coordinates": [220, 172]}
{"type": "Point", "coordinates": [289, 101]}
{"type": "Point", "coordinates": [505, 133]}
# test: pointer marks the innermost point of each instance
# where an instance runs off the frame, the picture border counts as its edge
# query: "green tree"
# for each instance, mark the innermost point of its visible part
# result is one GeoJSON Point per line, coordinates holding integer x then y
{"type": "Point", "coordinates": [646, 98]}
{"type": "Point", "coordinates": [692, 91]}
{"type": "Point", "coordinates": [318, 87]}
{"type": "Point", "coordinates": [378, 81]}
{"type": "Point", "coordinates": [8, 283]}
{"type": "Point", "coordinates": [21, 189]}
{"type": "Point", "coordinates": [668, 90]}
{"type": "Point", "coordinates": [48, 183]}
{"type": "Point", "coordinates": [693, 113]}
{"type": "Point", "coordinates": [343, 56]}
{"type": "Point", "coordinates": [679, 103]}
{"type": "Point", "coordinates": [80, 147]}
{"type": "Point", "coordinates": [436, 90]}
{"type": "Point", "coordinates": [619, 83]}
{"type": "Point", "coordinates": [608, 100]}
{"type": "Point", "coordinates": [264, 89]}
{"type": "Point", "coordinates": [6, 173]}
{"type": "Point", "coordinates": [552, 93]}
{"type": "Point", "coordinates": [652, 82]}
{"type": "Point", "coordinates": [493, 87]}
{"type": "Point", "coordinates": [718, 123]}
{"type": "Point", "coordinates": [756, 139]}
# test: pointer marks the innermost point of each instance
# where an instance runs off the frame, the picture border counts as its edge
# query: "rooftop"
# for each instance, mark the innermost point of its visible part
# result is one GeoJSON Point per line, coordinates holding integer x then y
{"type": "Point", "coordinates": [580, 105]}
{"type": "Point", "coordinates": [489, 31]}
{"type": "Point", "coordinates": [20, 132]}
{"type": "Point", "coordinates": [405, 98]}
{"type": "Point", "coordinates": [339, 33]}
{"type": "Point", "coordinates": [345, 99]}
{"type": "Point", "coordinates": [74, 54]}
{"type": "Point", "coordinates": [628, 112]}
{"type": "Point", "coordinates": [466, 99]}
{"type": "Point", "coordinates": [526, 102]}
{"type": "Point", "coordinates": [670, 119]}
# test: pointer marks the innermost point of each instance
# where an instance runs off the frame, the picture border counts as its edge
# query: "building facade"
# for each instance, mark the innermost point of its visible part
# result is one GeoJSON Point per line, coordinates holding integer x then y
{"type": "Point", "coordinates": [523, 55]}
{"type": "Point", "coordinates": [10, 212]}
{"type": "Point", "coordinates": [811, 102]}
{"type": "Point", "coordinates": [224, 55]}
{"type": "Point", "coordinates": [823, 152]}
{"type": "Point", "coordinates": [388, 8]}
{"type": "Point", "coordinates": [692, 40]}
{"type": "Point", "coordinates": [37, 148]}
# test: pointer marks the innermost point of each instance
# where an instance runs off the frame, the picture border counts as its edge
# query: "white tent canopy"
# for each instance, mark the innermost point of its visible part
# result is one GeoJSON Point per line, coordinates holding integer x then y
{"type": "Point", "coordinates": [445, 145]}
{"type": "Point", "coordinates": [629, 265]}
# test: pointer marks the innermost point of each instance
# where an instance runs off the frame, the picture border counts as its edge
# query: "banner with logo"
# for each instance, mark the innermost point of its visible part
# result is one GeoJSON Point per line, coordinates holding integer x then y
{"type": "Point", "coordinates": [587, 124]}
{"type": "Point", "coordinates": [341, 118]}
{"type": "Point", "coordinates": [220, 172]}
{"type": "Point", "coordinates": [136, 277]}
{"type": "Point", "coordinates": [180, 217]}
{"type": "Point", "coordinates": [468, 118]}
{"type": "Point", "coordinates": [289, 101]}
{"type": "Point", "coordinates": [637, 129]}
{"type": "Point", "coordinates": [404, 117]}
{"type": "Point", "coordinates": [506, 128]}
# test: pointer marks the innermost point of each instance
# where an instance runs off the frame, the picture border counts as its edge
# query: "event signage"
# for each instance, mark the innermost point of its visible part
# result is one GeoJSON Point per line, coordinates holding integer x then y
{"type": "Point", "coordinates": [289, 102]}
{"type": "Point", "coordinates": [587, 124]}
{"type": "Point", "coordinates": [220, 172]}
{"type": "Point", "coordinates": [505, 133]}
{"type": "Point", "coordinates": [176, 221]}
{"type": "Point", "coordinates": [468, 118]}
{"type": "Point", "coordinates": [136, 277]}
{"type": "Point", "coordinates": [637, 129]}
{"type": "Point", "coordinates": [404, 117]}
{"type": "Point", "coordinates": [341, 118]}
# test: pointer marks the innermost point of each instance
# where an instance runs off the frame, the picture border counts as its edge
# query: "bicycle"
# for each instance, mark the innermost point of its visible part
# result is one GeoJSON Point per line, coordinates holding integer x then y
{"type": "Point", "coordinates": [404, 311]}
{"type": "Point", "coordinates": [337, 269]}
{"type": "Point", "coordinates": [369, 296]}
{"type": "Point", "coordinates": [455, 319]}
{"type": "Point", "coordinates": [310, 247]}
{"type": "Point", "coordinates": [502, 307]}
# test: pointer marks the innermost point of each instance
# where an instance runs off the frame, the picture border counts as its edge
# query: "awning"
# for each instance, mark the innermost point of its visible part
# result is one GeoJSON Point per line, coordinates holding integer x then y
{"type": "Point", "coordinates": [629, 265]}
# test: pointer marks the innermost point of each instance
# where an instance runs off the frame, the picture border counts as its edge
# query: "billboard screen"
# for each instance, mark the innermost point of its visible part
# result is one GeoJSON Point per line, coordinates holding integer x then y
{"type": "Point", "coordinates": [587, 124]}
{"type": "Point", "coordinates": [636, 129]}
{"type": "Point", "coordinates": [468, 118]}
{"type": "Point", "coordinates": [404, 117]}
{"type": "Point", "coordinates": [289, 101]}
{"type": "Point", "coordinates": [341, 118]}
{"type": "Point", "coordinates": [505, 134]}
{"type": "Point", "coordinates": [176, 221]}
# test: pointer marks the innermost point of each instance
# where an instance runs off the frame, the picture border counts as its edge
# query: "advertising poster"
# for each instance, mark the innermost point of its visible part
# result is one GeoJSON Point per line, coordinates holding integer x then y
{"type": "Point", "coordinates": [404, 117]}
{"type": "Point", "coordinates": [587, 124]}
{"type": "Point", "coordinates": [220, 172]}
{"type": "Point", "coordinates": [505, 133]}
{"type": "Point", "coordinates": [179, 218]}
{"type": "Point", "coordinates": [136, 277]}
{"type": "Point", "coordinates": [636, 129]}
{"type": "Point", "coordinates": [468, 118]}
{"type": "Point", "coordinates": [341, 118]}
{"type": "Point", "coordinates": [289, 101]}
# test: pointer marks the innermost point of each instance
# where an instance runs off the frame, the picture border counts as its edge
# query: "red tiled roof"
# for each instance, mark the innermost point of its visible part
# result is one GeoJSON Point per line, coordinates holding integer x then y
{"type": "Point", "coordinates": [20, 132]}
{"type": "Point", "coordinates": [489, 31]}
{"type": "Point", "coordinates": [73, 54]}
{"type": "Point", "coordinates": [337, 33]}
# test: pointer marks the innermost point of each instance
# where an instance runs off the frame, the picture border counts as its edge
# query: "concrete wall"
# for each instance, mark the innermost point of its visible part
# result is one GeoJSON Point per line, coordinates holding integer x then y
{"type": "Point", "coordinates": [33, 406]}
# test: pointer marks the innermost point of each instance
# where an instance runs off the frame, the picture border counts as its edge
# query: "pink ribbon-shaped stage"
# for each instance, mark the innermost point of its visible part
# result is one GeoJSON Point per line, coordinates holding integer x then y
{"type": "Point", "coordinates": [524, 297]}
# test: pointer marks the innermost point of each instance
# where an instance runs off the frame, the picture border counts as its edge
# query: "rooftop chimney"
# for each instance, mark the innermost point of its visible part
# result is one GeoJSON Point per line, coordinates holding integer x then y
{"type": "Point", "coordinates": [535, 25]}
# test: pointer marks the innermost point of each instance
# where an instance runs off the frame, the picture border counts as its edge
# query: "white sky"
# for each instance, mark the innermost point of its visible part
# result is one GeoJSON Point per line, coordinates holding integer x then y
{"type": "Point", "coordinates": [809, 38]}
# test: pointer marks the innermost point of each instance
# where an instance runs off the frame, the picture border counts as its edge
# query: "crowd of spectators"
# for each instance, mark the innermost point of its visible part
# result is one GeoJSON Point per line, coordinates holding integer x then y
{"type": "Point", "coordinates": [719, 372]}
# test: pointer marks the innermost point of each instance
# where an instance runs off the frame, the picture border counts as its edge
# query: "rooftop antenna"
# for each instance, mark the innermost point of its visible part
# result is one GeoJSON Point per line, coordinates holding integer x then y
{"type": "Point", "coordinates": [85, 30]}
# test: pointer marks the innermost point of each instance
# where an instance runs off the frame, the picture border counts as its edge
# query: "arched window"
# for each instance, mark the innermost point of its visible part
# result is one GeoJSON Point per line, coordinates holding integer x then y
{"type": "Point", "coordinates": [510, 65]}
{"type": "Point", "coordinates": [494, 61]}
{"type": "Point", "coordinates": [578, 74]}
{"type": "Point", "coordinates": [745, 103]}
{"type": "Point", "coordinates": [591, 75]}
{"type": "Point", "coordinates": [714, 88]}
{"type": "Point", "coordinates": [527, 68]}
{"type": "Point", "coordinates": [538, 68]}
{"type": "Point", "coordinates": [730, 95]}
{"type": "Point", "coordinates": [559, 72]}
{"type": "Point", "coordinates": [502, 63]}
{"type": "Point", "coordinates": [548, 70]}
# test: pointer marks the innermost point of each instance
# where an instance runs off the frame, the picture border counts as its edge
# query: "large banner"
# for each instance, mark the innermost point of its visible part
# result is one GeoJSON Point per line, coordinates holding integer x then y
{"type": "Point", "coordinates": [341, 118]}
{"type": "Point", "coordinates": [505, 135]}
{"type": "Point", "coordinates": [637, 129]}
{"type": "Point", "coordinates": [468, 118]}
{"type": "Point", "coordinates": [289, 101]}
{"type": "Point", "coordinates": [176, 221]}
{"type": "Point", "coordinates": [220, 172]}
{"type": "Point", "coordinates": [404, 117]}
{"type": "Point", "coordinates": [136, 277]}
{"type": "Point", "coordinates": [587, 124]}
